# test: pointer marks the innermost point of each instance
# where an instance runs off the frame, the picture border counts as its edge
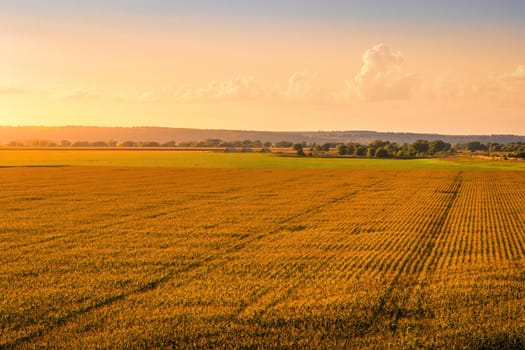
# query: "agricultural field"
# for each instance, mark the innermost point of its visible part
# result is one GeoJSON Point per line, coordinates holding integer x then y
{"type": "Point", "coordinates": [135, 257]}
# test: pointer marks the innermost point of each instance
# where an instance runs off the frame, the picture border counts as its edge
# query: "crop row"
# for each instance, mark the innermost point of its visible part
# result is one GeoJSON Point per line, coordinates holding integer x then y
{"type": "Point", "coordinates": [124, 257]}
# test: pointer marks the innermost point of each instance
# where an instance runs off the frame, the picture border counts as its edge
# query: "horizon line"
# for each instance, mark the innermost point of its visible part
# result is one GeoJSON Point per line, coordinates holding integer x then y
{"type": "Point", "coordinates": [253, 130]}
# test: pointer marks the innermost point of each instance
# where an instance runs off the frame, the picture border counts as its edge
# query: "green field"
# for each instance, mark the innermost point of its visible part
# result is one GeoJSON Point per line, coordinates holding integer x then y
{"type": "Point", "coordinates": [200, 159]}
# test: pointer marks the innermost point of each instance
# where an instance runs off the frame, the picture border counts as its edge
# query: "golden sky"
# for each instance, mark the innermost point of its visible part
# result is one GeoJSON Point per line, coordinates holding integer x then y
{"type": "Point", "coordinates": [192, 68]}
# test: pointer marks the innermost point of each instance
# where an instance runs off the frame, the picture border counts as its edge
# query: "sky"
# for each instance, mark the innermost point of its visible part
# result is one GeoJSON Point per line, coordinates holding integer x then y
{"type": "Point", "coordinates": [450, 66]}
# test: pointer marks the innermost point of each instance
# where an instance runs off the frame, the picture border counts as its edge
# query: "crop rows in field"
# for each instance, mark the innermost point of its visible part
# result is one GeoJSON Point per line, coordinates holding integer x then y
{"type": "Point", "coordinates": [121, 257]}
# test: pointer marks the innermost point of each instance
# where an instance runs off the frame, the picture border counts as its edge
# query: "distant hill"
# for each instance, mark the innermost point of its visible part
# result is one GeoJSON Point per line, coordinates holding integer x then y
{"type": "Point", "coordinates": [161, 134]}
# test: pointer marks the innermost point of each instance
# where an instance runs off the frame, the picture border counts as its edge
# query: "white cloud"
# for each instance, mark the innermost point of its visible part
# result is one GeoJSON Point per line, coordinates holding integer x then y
{"type": "Point", "coordinates": [448, 86]}
{"type": "Point", "coordinates": [155, 95]}
{"type": "Point", "coordinates": [77, 94]}
{"type": "Point", "coordinates": [304, 88]}
{"type": "Point", "coordinates": [381, 77]}
{"type": "Point", "coordinates": [519, 73]}
{"type": "Point", "coordinates": [12, 91]}
{"type": "Point", "coordinates": [243, 88]}
{"type": "Point", "coordinates": [239, 88]}
{"type": "Point", "coordinates": [506, 89]}
{"type": "Point", "coordinates": [301, 86]}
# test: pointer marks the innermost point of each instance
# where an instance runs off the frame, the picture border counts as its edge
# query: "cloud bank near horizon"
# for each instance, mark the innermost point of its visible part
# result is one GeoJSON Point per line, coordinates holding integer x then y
{"type": "Point", "coordinates": [382, 77]}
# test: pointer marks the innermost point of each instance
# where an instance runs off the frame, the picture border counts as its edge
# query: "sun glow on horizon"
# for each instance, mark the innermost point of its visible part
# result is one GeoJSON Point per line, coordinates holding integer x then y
{"type": "Point", "coordinates": [224, 71]}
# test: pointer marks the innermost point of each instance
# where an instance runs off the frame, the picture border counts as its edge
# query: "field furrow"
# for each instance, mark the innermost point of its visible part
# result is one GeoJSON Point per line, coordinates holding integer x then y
{"type": "Point", "coordinates": [259, 258]}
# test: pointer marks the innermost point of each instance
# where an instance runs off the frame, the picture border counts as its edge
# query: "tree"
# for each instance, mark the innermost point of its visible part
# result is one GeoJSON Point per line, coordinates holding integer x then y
{"type": "Point", "coordinates": [475, 146]}
{"type": "Point", "coordinates": [326, 147]}
{"type": "Point", "coordinates": [283, 144]}
{"type": "Point", "coordinates": [519, 154]}
{"type": "Point", "coordinates": [41, 143]}
{"type": "Point", "coordinates": [381, 152]}
{"type": "Point", "coordinates": [495, 147]}
{"type": "Point", "coordinates": [150, 144]}
{"type": "Point", "coordinates": [437, 146]}
{"type": "Point", "coordinates": [128, 144]}
{"type": "Point", "coordinates": [360, 150]}
{"type": "Point", "coordinates": [378, 143]}
{"type": "Point", "coordinates": [298, 147]}
{"type": "Point", "coordinates": [420, 147]}
{"type": "Point", "coordinates": [212, 142]}
{"type": "Point", "coordinates": [342, 149]}
{"type": "Point", "coordinates": [231, 144]}
{"type": "Point", "coordinates": [350, 148]}
{"type": "Point", "coordinates": [16, 144]}
{"type": "Point", "coordinates": [188, 144]}
{"type": "Point", "coordinates": [169, 144]}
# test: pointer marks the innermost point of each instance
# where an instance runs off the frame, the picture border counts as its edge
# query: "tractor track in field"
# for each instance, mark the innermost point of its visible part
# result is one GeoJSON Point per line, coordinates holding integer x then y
{"type": "Point", "coordinates": [416, 261]}
{"type": "Point", "coordinates": [154, 284]}
{"type": "Point", "coordinates": [133, 218]}
{"type": "Point", "coordinates": [280, 297]}
{"type": "Point", "coordinates": [303, 282]}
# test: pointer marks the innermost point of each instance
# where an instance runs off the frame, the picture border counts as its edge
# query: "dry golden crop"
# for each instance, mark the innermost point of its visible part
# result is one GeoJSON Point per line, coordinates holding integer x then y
{"type": "Point", "coordinates": [133, 257]}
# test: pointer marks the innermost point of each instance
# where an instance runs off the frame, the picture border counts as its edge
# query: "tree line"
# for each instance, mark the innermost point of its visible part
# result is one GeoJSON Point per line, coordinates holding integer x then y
{"type": "Point", "coordinates": [132, 143]}
{"type": "Point", "coordinates": [109, 143]}
{"type": "Point", "coordinates": [419, 148]}
{"type": "Point", "coordinates": [375, 149]}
